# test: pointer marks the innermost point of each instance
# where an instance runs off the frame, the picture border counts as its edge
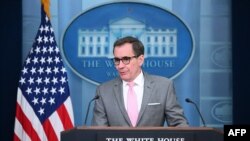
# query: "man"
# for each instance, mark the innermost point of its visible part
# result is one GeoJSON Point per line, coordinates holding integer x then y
{"type": "Point", "coordinates": [136, 98]}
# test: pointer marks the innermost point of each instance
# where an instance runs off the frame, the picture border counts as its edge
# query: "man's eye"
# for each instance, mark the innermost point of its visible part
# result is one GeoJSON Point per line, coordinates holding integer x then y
{"type": "Point", "coordinates": [125, 58]}
{"type": "Point", "coordinates": [117, 59]}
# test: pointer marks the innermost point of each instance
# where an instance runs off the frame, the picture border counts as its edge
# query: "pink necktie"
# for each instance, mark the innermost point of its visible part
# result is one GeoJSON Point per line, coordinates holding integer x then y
{"type": "Point", "coordinates": [132, 108]}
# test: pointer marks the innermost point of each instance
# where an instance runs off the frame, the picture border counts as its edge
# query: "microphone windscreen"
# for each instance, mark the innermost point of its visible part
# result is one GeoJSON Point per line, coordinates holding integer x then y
{"type": "Point", "coordinates": [188, 100]}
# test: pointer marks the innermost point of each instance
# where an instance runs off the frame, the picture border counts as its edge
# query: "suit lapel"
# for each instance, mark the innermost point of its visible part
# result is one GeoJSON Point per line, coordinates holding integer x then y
{"type": "Point", "coordinates": [147, 92]}
{"type": "Point", "coordinates": [118, 94]}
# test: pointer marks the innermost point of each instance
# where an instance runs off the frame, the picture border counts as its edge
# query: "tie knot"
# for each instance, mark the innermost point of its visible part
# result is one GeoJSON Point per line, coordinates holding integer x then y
{"type": "Point", "coordinates": [131, 84]}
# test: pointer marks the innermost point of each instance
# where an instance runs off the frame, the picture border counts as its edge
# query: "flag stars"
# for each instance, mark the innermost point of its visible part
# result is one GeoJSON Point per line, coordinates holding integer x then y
{"type": "Point", "coordinates": [35, 101]}
{"type": "Point", "coordinates": [51, 30]}
{"type": "Point", "coordinates": [37, 50]}
{"type": "Point", "coordinates": [56, 49]}
{"type": "Point", "coordinates": [31, 51]}
{"type": "Point", "coordinates": [41, 111]}
{"type": "Point", "coordinates": [49, 60]}
{"type": "Point", "coordinates": [33, 70]}
{"type": "Point", "coordinates": [45, 39]}
{"type": "Point", "coordinates": [57, 60]}
{"type": "Point", "coordinates": [22, 80]}
{"type": "Point", "coordinates": [28, 90]}
{"type": "Point", "coordinates": [41, 70]}
{"type": "Point", "coordinates": [63, 70]}
{"type": "Point", "coordinates": [61, 90]}
{"type": "Point", "coordinates": [53, 90]}
{"type": "Point", "coordinates": [50, 49]}
{"type": "Point", "coordinates": [63, 80]}
{"type": "Point", "coordinates": [51, 39]}
{"type": "Point", "coordinates": [52, 100]}
{"type": "Point", "coordinates": [39, 39]}
{"type": "Point", "coordinates": [43, 100]}
{"type": "Point", "coordinates": [35, 60]}
{"type": "Point", "coordinates": [31, 80]}
{"type": "Point", "coordinates": [46, 29]}
{"type": "Point", "coordinates": [45, 91]}
{"type": "Point", "coordinates": [54, 80]}
{"type": "Point", "coordinates": [37, 91]}
{"type": "Point", "coordinates": [28, 61]}
{"type": "Point", "coordinates": [56, 70]}
{"type": "Point", "coordinates": [48, 70]}
{"type": "Point", "coordinates": [47, 18]}
{"type": "Point", "coordinates": [44, 50]}
{"type": "Point", "coordinates": [39, 80]}
{"type": "Point", "coordinates": [42, 60]}
{"type": "Point", "coordinates": [46, 80]}
{"type": "Point", "coordinates": [41, 29]}
{"type": "Point", "coordinates": [25, 70]}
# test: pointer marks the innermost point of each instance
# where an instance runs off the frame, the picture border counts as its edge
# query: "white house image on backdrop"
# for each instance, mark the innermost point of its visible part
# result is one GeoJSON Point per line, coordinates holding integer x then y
{"type": "Point", "coordinates": [99, 42]}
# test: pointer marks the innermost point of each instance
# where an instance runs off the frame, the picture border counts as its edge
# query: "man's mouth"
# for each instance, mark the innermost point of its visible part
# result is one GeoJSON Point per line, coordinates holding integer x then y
{"type": "Point", "coordinates": [122, 73]}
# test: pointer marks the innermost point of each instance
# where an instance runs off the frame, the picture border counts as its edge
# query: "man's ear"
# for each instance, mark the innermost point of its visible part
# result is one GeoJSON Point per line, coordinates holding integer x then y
{"type": "Point", "coordinates": [141, 59]}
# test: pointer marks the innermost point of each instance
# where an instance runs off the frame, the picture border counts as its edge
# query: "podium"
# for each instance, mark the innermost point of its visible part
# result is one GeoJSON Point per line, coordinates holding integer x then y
{"type": "Point", "coordinates": [142, 134]}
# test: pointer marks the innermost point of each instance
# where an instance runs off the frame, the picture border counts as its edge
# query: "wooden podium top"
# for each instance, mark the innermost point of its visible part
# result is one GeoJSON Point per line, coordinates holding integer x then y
{"type": "Point", "coordinates": [100, 133]}
{"type": "Point", "coordinates": [150, 128]}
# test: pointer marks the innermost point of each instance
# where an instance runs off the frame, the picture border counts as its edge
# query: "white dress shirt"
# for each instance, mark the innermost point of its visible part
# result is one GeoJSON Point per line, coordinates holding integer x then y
{"type": "Point", "coordinates": [138, 88]}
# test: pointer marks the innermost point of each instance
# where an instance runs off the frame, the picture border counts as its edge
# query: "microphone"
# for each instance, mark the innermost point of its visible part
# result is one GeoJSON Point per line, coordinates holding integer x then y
{"type": "Point", "coordinates": [95, 98]}
{"type": "Point", "coordinates": [190, 101]}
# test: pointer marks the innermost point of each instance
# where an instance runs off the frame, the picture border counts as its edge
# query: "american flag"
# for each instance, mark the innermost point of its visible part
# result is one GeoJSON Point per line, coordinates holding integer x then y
{"type": "Point", "coordinates": [44, 107]}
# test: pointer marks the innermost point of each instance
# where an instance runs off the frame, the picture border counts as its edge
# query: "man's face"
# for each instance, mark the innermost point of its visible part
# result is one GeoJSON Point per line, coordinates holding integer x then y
{"type": "Point", "coordinates": [130, 71]}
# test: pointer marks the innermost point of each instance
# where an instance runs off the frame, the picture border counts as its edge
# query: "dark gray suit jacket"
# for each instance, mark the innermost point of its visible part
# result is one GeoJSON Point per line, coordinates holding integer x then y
{"type": "Point", "coordinates": [159, 104]}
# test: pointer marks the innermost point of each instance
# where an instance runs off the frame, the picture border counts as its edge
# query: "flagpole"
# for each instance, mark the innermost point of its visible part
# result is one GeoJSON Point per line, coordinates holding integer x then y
{"type": "Point", "coordinates": [46, 6]}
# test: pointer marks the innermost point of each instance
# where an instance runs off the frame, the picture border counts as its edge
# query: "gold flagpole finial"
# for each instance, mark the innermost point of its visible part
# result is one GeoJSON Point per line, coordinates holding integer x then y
{"type": "Point", "coordinates": [46, 6]}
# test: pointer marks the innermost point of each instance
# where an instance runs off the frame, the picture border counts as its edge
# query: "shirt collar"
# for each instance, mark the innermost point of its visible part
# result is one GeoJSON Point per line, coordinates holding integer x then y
{"type": "Point", "coordinates": [139, 80]}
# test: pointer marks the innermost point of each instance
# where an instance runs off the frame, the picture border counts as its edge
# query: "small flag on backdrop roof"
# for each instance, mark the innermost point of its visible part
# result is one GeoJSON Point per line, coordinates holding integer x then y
{"type": "Point", "coordinates": [43, 107]}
